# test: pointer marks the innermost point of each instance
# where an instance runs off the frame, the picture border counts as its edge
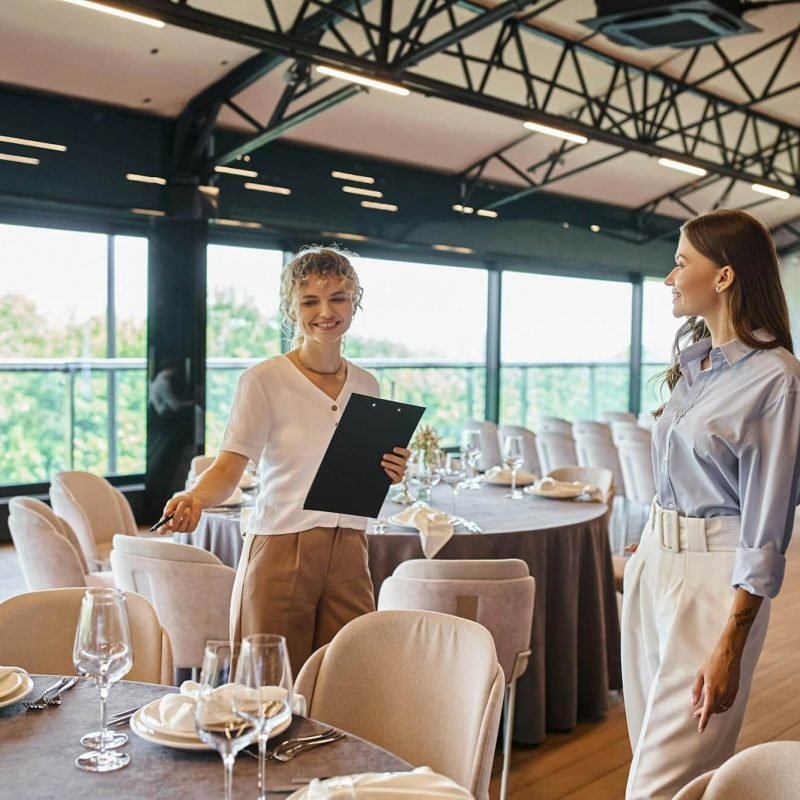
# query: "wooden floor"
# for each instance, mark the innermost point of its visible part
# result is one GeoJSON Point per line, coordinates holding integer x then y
{"type": "Point", "coordinates": [591, 762]}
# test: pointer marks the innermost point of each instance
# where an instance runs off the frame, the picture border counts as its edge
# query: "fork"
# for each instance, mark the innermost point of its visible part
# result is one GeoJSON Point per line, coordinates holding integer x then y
{"type": "Point", "coordinates": [56, 700]}
{"type": "Point", "coordinates": [289, 753]}
{"type": "Point", "coordinates": [41, 702]}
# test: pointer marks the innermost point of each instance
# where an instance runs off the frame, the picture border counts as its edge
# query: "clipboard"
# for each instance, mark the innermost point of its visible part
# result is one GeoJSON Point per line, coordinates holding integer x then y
{"type": "Point", "coordinates": [350, 478]}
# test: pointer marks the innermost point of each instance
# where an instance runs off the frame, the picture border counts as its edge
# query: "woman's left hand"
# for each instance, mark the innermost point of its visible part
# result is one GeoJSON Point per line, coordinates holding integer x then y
{"type": "Point", "coordinates": [716, 685]}
{"type": "Point", "coordinates": [394, 464]}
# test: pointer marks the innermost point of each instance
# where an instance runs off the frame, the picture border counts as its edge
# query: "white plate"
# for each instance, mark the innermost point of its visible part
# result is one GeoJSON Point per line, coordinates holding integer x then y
{"type": "Point", "coordinates": [503, 478]}
{"type": "Point", "coordinates": [394, 521]}
{"type": "Point", "coordinates": [180, 741]}
{"type": "Point", "coordinates": [10, 683]}
{"type": "Point", "coordinates": [22, 691]}
{"type": "Point", "coordinates": [557, 492]}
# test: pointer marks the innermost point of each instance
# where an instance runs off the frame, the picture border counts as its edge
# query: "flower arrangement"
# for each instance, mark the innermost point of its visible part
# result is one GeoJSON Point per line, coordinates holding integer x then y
{"type": "Point", "coordinates": [426, 440]}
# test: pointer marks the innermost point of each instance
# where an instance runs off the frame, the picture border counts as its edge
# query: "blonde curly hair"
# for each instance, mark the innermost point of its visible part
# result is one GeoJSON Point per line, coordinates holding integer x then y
{"type": "Point", "coordinates": [325, 262]}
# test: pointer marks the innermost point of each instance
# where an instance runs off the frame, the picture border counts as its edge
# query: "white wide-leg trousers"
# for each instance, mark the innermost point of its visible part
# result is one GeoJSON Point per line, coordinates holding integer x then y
{"type": "Point", "coordinates": [677, 599]}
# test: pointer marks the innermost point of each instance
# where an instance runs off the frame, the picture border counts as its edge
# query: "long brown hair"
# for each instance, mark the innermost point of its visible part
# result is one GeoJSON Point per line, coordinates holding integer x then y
{"type": "Point", "coordinates": [755, 299]}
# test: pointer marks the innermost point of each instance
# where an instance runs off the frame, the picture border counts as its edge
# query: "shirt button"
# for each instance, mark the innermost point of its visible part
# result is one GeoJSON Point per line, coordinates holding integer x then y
{"type": "Point", "coordinates": [672, 506]}
{"type": "Point", "coordinates": [334, 408]}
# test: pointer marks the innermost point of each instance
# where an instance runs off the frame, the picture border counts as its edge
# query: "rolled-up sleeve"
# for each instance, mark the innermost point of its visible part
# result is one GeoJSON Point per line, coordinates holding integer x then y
{"type": "Point", "coordinates": [769, 472]}
{"type": "Point", "coordinates": [249, 422]}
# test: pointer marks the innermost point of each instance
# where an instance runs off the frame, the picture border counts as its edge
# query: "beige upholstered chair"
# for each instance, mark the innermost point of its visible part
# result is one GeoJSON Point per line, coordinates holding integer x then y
{"type": "Point", "coordinates": [586, 427]}
{"type": "Point", "coordinates": [429, 689]}
{"type": "Point", "coordinates": [554, 425]}
{"type": "Point", "coordinates": [47, 548]}
{"type": "Point", "coordinates": [37, 630]}
{"type": "Point", "coordinates": [490, 452]}
{"type": "Point", "coordinates": [189, 587]}
{"type": "Point", "coordinates": [617, 416]}
{"type": "Point", "coordinates": [555, 450]}
{"type": "Point", "coordinates": [531, 463]}
{"type": "Point", "coordinates": [768, 771]}
{"type": "Point", "coordinates": [498, 594]}
{"type": "Point", "coordinates": [95, 510]}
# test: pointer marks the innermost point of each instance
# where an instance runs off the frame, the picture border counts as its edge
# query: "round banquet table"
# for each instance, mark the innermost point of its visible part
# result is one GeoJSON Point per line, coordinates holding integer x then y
{"type": "Point", "coordinates": [575, 638]}
{"type": "Point", "coordinates": [38, 750]}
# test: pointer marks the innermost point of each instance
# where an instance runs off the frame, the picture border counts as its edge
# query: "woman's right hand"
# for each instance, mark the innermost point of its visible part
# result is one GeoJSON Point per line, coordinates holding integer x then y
{"type": "Point", "coordinates": [187, 509]}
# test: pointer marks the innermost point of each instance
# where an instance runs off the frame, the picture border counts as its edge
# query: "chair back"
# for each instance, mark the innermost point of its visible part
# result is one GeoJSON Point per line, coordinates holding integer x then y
{"type": "Point", "coordinates": [491, 569]}
{"type": "Point", "coordinates": [531, 463]}
{"type": "Point", "coordinates": [490, 452]}
{"type": "Point", "coordinates": [637, 468]}
{"type": "Point", "coordinates": [770, 770]}
{"type": "Point", "coordinates": [600, 452]}
{"type": "Point", "coordinates": [600, 477]}
{"type": "Point", "coordinates": [647, 420]}
{"type": "Point", "coordinates": [94, 509]}
{"type": "Point", "coordinates": [585, 427]}
{"type": "Point", "coordinates": [37, 630]}
{"type": "Point", "coordinates": [504, 606]}
{"type": "Point", "coordinates": [199, 464]}
{"type": "Point", "coordinates": [554, 425]}
{"type": "Point", "coordinates": [429, 690]}
{"type": "Point", "coordinates": [617, 416]}
{"type": "Point", "coordinates": [629, 432]}
{"type": "Point", "coordinates": [192, 596]}
{"type": "Point", "coordinates": [555, 450]}
{"type": "Point", "coordinates": [48, 552]}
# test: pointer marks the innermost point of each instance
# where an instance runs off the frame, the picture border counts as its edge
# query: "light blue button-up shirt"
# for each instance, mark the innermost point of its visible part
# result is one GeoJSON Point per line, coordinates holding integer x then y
{"type": "Point", "coordinates": [728, 444]}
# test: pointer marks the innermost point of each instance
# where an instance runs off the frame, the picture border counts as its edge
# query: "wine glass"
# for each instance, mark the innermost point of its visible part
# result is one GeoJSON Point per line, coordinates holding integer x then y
{"type": "Point", "coordinates": [471, 451]}
{"type": "Point", "coordinates": [103, 652]}
{"type": "Point", "coordinates": [217, 719]}
{"type": "Point", "coordinates": [265, 670]}
{"type": "Point", "coordinates": [453, 474]}
{"type": "Point", "coordinates": [513, 458]}
{"type": "Point", "coordinates": [427, 474]}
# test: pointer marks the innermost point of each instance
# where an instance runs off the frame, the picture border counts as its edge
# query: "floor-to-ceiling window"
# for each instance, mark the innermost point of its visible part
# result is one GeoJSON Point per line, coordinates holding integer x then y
{"type": "Point", "coordinates": [658, 333]}
{"type": "Point", "coordinates": [565, 347]}
{"type": "Point", "coordinates": [72, 353]}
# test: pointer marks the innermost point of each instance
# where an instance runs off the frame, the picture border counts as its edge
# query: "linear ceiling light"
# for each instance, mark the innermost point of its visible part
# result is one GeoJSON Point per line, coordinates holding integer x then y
{"type": "Point", "coordinates": [378, 206]}
{"type": "Point", "coordinates": [149, 212]}
{"type": "Point", "coordinates": [265, 187]}
{"type": "Point", "coordinates": [155, 23]}
{"type": "Point", "coordinates": [449, 248]}
{"type": "Point", "coordinates": [557, 132]}
{"type": "Point", "coordinates": [245, 173]}
{"type": "Point", "coordinates": [363, 81]}
{"type": "Point", "coordinates": [236, 223]}
{"type": "Point", "coordinates": [33, 143]}
{"type": "Point", "coordinates": [463, 209]}
{"type": "Point", "coordinates": [349, 176]}
{"type": "Point", "coordinates": [779, 193]}
{"type": "Point", "coordinates": [19, 159]}
{"type": "Point", "coordinates": [356, 237]}
{"type": "Point", "coordinates": [486, 212]}
{"type": "Point", "coordinates": [132, 176]}
{"type": "Point", "coordinates": [681, 167]}
{"type": "Point", "coordinates": [359, 190]}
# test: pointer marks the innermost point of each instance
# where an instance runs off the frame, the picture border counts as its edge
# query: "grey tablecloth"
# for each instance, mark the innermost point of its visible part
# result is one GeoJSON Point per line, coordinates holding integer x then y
{"type": "Point", "coordinates": [38, 751]}
{"type": "Point", "coordinates": [575, 637]}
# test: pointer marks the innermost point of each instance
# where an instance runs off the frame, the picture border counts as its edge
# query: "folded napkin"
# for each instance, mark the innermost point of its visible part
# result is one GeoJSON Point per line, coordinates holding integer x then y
{"type": "Point", "coordinates": [434, 527]}
{"type": "Point", "coordinates": [248, 481]}
{"type": "Point", "coordinates": [503, 475]}
{"type": "Point", "coordinates": [421, 784]}
{"type": "Point", "coordinates": [176, 711]}
{"type": "Point", "coordinates": [551, 484]}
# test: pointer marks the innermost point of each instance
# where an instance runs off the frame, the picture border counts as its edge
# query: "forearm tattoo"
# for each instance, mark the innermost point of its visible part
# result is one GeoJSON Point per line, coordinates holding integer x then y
{"type": "Point", "coordinates": [744, 618]}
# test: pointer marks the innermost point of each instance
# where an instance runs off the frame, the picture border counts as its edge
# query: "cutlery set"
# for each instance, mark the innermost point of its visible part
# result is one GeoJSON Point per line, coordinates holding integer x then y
{"type": "Point", "coordinates": [51, 696]}
{"type": "Point", "coordinates": [289, 748]}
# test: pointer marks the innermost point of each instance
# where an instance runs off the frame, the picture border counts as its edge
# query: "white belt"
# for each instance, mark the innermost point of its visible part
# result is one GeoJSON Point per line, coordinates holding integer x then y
{"type": "Point", "coordinates": [675, 533]}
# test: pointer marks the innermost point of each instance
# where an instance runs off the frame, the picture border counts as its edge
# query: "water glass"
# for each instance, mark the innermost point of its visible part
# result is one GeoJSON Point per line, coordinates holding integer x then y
{"type": "Point", "coordinates": [217, 719]}
{"type": "Point", "coordinates": [427, 474]}
{"type": "Point", "coordinates": [513, 458]}
{"type": "Point", "coordinates": [471, 452]}
{"type": "Point", "coordinates": [102, 651]}
{"type": "Point", "coordinates": [265, 670]}
{"type": "Point", "coordinates": [453, 474]}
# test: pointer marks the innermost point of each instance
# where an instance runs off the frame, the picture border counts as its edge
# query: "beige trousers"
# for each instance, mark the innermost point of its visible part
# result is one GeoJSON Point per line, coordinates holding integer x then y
{"type": "Point", "coordinates": [677, 600]}
{"type": "Point", "coordinates": [304, 586]}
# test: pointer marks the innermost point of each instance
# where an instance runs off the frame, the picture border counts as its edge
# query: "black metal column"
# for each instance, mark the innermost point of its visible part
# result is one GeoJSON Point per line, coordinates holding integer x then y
{"type": "Point", "coordinates": [495, 300]}
{"type": "Point", "coordinates": [176, 362]}
{"type": "Point", "coordinates": [637, 304]}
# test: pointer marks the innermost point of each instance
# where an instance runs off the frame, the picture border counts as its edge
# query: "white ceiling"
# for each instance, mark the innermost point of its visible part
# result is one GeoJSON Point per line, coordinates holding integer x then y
{"type": "Point", "coordinates": [57, 47]}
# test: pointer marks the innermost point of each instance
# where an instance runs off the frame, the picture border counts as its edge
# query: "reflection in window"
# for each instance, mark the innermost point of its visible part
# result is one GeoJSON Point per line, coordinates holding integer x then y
{"type": "Point", "coordinates": [658, 333]}
{"type": "Point", "coordinates": [565, 347]}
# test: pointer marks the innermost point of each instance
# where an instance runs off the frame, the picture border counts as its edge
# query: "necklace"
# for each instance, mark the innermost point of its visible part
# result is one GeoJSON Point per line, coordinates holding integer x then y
{"type": "Point", "coordinates": [317, 371]}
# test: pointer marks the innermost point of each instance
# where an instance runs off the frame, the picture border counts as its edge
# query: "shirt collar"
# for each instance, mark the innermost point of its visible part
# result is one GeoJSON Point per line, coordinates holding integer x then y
{"type": "Point", "coordinates": [732, 351]}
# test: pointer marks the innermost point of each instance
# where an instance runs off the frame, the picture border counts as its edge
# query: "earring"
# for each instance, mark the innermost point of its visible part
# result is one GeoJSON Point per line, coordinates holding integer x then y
{"type": "Point", "coordinates": [717, 289]}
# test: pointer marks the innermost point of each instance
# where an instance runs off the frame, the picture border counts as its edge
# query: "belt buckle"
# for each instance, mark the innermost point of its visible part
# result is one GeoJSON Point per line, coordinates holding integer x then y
{"type": "Point", "coordinates": [670, 531]}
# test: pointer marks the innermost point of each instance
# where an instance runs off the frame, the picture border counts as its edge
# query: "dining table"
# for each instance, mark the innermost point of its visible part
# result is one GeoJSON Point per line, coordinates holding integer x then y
{"type": "Point", "coordinates": [575, 632]}
{"type": "Point", "coordinates": [38, 751]}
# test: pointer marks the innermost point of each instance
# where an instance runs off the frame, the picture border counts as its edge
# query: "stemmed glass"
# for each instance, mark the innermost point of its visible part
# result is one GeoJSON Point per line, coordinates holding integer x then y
{"type": "Point", "coordinates": [453, 474]}
{"type": "Point", "coordinates": [471, 451]}
{"type": "Point", "coordinates": [217, 718]}
{"type": "Point", "coordinates": [427, 474]}
{"type": "Point", "coordinates": [265, 670]}
{"type": "Point", "coordinates": [103, 652]}
{"type": "Point", "coordinates": [513, 458]}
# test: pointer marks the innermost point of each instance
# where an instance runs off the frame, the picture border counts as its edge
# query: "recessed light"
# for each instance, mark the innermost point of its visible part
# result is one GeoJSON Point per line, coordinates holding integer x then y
{"type": "Point", "coordinates": [149, 212]}
{"type": "Point", "coordinates": [133, 176]}
{"type": "Point", "coordinates": [565, 225]}
{"type": "Point", "coordinates": [486, 212]}
{"type": "Point", "coordinates": [557, 132]}
{"type": "Point", "coordinates": [359, 190]}
{"type": "Point", "coordinates": [349, 176]}
{"type": "Point", "coordinates": [449, 248]}
{"type": "Point", "coordinates": [33, 143]}
{"type": "Point", "coordinates": [463, 209]}
{"type": "Point", "coordinates": [19, 159]}
{"type": "Point", "coordinates": [779, 193]}
{"type": "Point", "coordinates": [362, 80]}
{"type": "Point", "coordinates": [681, 167]}
{"type": "Point", "coordinates": [356, 237]}
{"type": "Point", "coordinates": [245, 173]}
{"type": "Point", "coordinates": [155, 23]}
{"type": "Point", "coordinates": [379, 206]}
{"type": "Point", "coordinates": [265, 187]}
{"type": "Point", "coordinates": [594, 228]}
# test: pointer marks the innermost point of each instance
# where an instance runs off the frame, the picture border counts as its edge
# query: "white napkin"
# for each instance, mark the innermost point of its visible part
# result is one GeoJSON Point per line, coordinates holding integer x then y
{"type": "Point", "coordinates": [550, 484]}
{"type": "Point", "coordinates": [503, 475]}
{"type": "Point", "coordinates": [420, 784]}
{"type": "Point", "coordinates": [176, 711]}
{"type": "Point", "coordinates": [434, 527]}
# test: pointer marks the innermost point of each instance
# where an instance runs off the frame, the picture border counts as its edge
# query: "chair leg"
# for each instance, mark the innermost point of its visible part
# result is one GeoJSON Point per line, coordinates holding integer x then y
{"type": "Point", "coordinates": [508, 728]}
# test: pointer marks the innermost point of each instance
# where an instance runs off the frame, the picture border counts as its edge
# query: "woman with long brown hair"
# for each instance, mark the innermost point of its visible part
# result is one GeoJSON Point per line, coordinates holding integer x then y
{"type": "Point", "coordinates": [726, 461]}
